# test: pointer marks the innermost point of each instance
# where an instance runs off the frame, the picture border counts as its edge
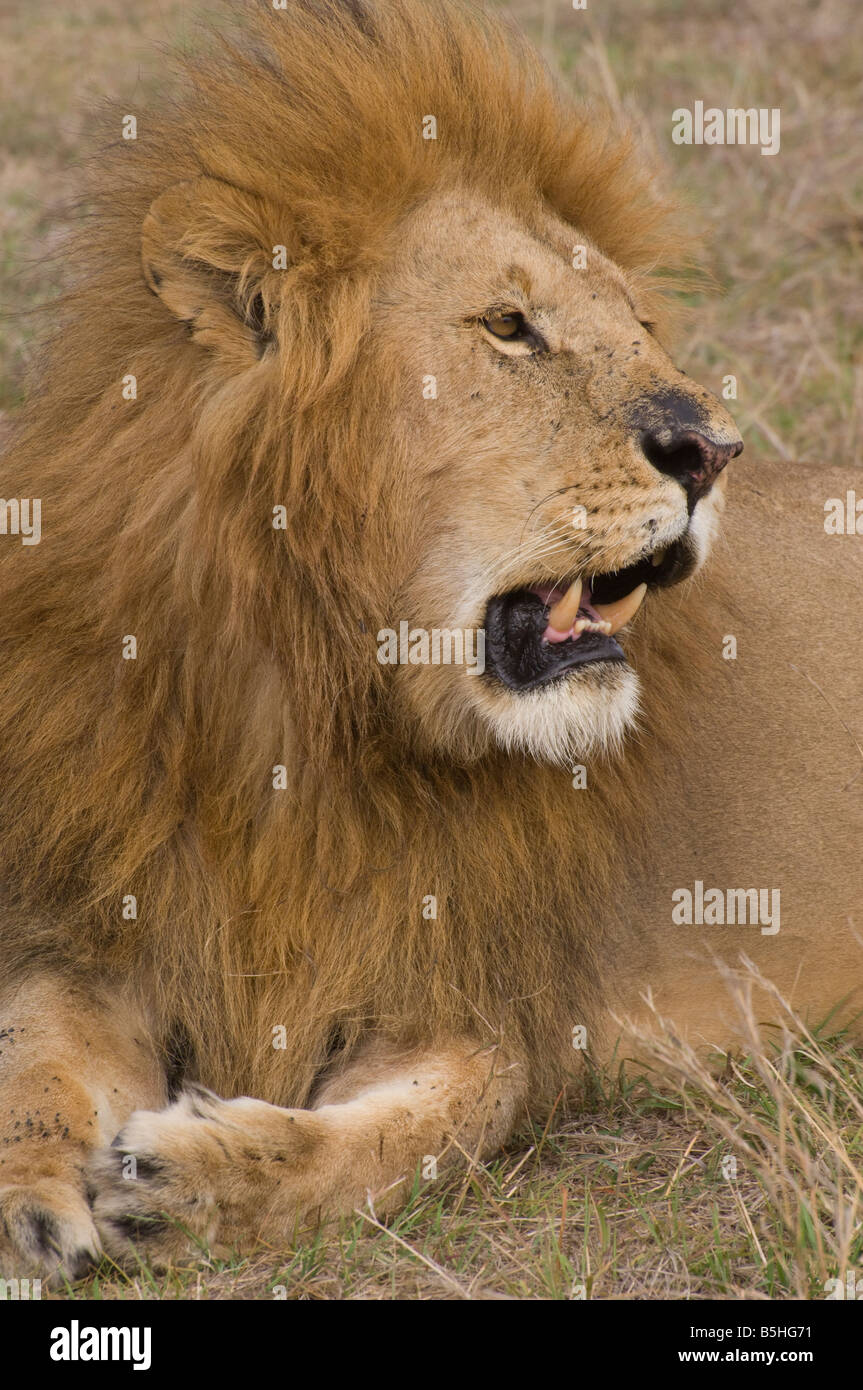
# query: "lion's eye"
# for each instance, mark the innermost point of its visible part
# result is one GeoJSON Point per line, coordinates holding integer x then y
{"type": "Point", "coordinates": [512, 331]}
{"type": "Point", "coordinates": [506, 325]}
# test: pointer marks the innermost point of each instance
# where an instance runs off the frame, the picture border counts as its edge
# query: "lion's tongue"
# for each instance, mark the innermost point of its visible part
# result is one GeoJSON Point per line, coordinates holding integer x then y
{"type": "Point", "coordinates": [572, 612]}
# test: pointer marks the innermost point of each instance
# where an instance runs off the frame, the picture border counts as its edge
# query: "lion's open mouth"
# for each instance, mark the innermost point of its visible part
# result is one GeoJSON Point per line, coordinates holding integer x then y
{"type": "Point", "coordinates": [537, 633]}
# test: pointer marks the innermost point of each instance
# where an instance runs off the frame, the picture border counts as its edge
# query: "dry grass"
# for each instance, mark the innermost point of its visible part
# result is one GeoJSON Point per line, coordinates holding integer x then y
{"type": "Point", "coordinates": [786, 231]}
{"type": "Point", "coordinates": [60, 64]}
{"type": "Point", "coordinates": [738, 1179]}
{"type": "Point", "coordinates": [630, 1200]}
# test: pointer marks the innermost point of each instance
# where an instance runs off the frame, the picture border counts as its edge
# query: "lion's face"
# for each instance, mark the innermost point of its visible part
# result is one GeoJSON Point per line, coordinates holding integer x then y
{"type": "Point", "coordinates": [552, 444]}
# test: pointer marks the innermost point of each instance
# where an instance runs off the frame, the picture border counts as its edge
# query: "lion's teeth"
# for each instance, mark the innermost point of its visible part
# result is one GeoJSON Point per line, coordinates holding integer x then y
{"type": "Point", "coordinates": [658, 556]}
{"type": "Point", "coordinates": [621, 612]}
{"type": "Point", "coordinates": [563, 614]}
{"type": "Point", "coordinates": [588, 625]}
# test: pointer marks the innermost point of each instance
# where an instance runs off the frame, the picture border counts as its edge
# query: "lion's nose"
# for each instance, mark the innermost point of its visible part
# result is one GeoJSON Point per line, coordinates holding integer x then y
{"type": "Point", "coordinates": [689, 456]}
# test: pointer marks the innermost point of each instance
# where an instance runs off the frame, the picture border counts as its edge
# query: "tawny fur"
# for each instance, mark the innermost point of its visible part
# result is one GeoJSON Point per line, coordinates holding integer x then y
{"type": "Point", "coordinates": [256, 647]}
{"type": "Point", "coordinates": [301, 910]}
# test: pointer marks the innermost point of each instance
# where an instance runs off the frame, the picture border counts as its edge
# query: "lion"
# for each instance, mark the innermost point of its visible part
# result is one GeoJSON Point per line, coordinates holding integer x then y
{"type": "Point", "coordinates": [367, 334]}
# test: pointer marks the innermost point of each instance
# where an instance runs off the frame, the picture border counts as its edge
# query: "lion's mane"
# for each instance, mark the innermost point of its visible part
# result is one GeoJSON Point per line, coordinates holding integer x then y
{"type": "Point", "coordinates": [153, 777]}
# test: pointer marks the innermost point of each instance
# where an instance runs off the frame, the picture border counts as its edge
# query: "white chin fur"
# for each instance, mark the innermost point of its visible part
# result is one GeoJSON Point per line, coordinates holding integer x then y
{"type": "Point", "coordinates": [705, 523]}
{"type": "Point", "coordinates": [586, 712]}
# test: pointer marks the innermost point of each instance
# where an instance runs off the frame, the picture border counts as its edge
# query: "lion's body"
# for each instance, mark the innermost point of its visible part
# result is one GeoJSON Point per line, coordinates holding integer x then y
{"type": "Point", "coordinates": [285, 944]}
{"type": "Point", "coordinates": [764, 790]}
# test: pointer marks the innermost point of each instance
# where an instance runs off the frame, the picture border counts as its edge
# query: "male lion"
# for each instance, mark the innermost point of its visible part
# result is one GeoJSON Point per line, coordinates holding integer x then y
{"type": "Point", "coordinates": [389, 304]}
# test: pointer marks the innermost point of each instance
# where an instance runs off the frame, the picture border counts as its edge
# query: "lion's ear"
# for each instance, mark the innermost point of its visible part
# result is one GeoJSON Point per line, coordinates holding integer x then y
{"type": "Point", "coordinates": [204, 252]}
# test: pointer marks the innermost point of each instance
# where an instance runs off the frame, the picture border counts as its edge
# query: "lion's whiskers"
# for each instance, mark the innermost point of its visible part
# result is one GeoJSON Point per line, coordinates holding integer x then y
{"type": "Point", "coordinates": [549, 540]}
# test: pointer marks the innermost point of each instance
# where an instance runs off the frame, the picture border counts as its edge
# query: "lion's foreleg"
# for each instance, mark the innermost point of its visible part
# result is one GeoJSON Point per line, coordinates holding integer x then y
{"type": "Point", "coordinates": [228, 1174]}
{"type": "Point", "coordinates": [72, 1068]}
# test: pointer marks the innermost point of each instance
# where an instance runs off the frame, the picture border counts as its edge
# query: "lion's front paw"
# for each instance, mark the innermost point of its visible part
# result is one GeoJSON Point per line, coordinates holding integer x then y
{"type": "Point", "coordinates": [151, 1190]}
{"type": "Point", "coordinates": [46, 1231]}
{"type": "Point", "coordinates": [204, 1173]}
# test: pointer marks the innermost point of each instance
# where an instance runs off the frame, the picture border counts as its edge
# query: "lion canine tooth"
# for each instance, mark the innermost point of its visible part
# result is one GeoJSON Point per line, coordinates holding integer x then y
{"type": "Point", "coordinates": [564, 613]}
{"type": "Point", "coordinates": [616, 614]}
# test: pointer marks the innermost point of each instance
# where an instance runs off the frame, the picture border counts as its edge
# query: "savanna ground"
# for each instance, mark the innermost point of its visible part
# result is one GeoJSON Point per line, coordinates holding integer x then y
{"type": "Point", "coordinates": [744, 1181]}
